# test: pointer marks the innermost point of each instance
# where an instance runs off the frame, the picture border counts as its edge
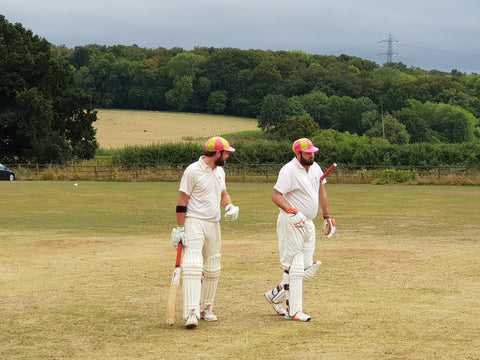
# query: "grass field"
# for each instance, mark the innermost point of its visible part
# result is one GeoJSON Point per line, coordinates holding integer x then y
{"type": "Point", "coordinates": [117, 128]}
{"type": "Point", "coordinates": [85, 272]}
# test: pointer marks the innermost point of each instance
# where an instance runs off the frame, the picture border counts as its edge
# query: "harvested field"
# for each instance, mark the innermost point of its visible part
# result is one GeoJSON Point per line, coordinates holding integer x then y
{"type": "Point", "coordinates": [118, 128]}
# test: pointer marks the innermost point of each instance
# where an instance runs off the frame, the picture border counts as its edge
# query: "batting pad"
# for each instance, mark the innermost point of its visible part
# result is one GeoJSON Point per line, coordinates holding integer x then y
{"type": "Point", "coordinates": [312, 270]}
{"type": "Point", "coordinates": [211, 274]}
{"type": "Point", "coordinates": [295, 293]}
{"type": "Point", "coordinates": [192, 282]}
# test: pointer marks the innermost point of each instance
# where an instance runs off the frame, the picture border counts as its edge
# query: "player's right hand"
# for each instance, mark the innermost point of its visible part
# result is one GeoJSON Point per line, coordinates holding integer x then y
{"type": "Point", "coordinates": [296, 217]}
{"type": "Point", "coordinates": [178, 234]}
{"type": "Point", "coordinates": [329, 226]}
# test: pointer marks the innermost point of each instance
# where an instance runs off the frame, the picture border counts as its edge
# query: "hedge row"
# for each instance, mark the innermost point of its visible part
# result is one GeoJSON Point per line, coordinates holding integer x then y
{"type": "Point", "coordinates": [265, 152]}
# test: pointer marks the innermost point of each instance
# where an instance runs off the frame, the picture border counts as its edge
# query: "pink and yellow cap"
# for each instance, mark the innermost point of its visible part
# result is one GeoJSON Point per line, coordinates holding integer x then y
{"type": "Point", "coordinates": [218, 143]}
{"type": "Point", "coordinates": [304, 145]}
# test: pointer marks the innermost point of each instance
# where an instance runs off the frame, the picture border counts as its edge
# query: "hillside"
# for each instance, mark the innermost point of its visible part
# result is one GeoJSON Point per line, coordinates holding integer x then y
{"type": "Point", "coordinates": [117, 128]}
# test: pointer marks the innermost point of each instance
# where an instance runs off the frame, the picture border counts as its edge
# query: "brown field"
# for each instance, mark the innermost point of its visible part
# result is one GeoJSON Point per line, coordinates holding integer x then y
{"type": "Point", "coordinates": [118, 128]}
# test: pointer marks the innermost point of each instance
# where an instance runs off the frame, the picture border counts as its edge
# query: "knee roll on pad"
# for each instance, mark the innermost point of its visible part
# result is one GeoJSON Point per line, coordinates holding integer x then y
{"type": "Point", "coordinates": [297, 267]}
{"type": "Point", "coordinates": [211, 272]}
{"type": "Point", "coordinates": [212, 266]}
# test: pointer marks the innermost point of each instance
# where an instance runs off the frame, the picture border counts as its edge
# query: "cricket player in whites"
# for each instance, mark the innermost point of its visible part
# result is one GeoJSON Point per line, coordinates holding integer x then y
{"type": "Point", "coordinates": [298, 192]}
{"type": "Point", "coordinates": [202, 193]}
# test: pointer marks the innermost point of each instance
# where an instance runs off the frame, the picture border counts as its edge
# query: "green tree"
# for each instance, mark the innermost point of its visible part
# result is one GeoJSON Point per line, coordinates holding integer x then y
{"type": "Point", "coordinates": [416, 118]}
{"type": "Point", "coordinates": [345, 113]}
{"type": "Point", "coordinates": [315, 104]}
{"type": "Point", "coordinates": [185, 64]}
{"type": "Point", "coordinates": [181, 94]}
{"type": "Point", "coordinates": [453, 124]}
{"type": "Point", "coordinates": [276, 109]}
{"type": "Point", "coordinates": [34, 77]}
{"type": "Point", "coordinates": [386, 127]}
{"type": "Point", "coordinates": [217, 102]}
{"type": "Point", "coordinates": [296, 127]}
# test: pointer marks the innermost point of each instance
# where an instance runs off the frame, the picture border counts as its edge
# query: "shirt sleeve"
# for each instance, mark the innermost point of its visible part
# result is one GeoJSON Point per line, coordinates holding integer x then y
{"type": "Point", "coordinates": [187, 182]}
{"type": "Point", "coordinates": [283, 183]}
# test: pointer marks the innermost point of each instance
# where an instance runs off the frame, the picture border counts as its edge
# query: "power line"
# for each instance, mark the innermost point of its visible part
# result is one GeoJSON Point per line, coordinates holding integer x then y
{"type": "Point", "coordinates": [354, 48]}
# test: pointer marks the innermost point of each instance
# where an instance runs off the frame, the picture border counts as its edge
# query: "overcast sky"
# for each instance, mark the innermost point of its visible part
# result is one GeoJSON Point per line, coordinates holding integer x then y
{"type": "Point", "coordinates": [428, 34]}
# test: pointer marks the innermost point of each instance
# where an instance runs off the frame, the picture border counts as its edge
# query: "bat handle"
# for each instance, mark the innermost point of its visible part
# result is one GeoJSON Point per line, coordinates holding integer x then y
{"type": "Point", "coordinates": [179, 254]}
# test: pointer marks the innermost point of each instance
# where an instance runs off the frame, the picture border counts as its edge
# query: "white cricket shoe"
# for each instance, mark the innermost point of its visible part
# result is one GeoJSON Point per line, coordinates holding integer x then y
{"type": "Point", "coordinates": [208, 315]}
{"type": "Point", "coordinates": [191, 322]}
{"type": "Point", "coordinates": [299, 316]}
{"type": "Point", "coordinates": [276, 306]}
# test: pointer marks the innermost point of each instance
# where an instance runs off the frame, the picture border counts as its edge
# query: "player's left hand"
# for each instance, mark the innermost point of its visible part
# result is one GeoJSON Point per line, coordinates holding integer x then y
{"type": "Point", "coordinates": [231, 212]}
{"type": "Point", "coordinates": [329, 226]}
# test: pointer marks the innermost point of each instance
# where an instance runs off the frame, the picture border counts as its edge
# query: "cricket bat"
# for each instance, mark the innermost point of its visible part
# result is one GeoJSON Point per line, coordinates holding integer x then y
{"type": "Point", "coordinates": [172, 293]}
{"type": "Point", "coordinates": [330, 169]}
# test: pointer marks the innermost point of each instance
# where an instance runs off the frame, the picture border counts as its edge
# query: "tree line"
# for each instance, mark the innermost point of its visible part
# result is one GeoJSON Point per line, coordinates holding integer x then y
{"type": "Point", "coordinates": [290, 92]}
{"type": "Point", "coordinates": [48, 94]}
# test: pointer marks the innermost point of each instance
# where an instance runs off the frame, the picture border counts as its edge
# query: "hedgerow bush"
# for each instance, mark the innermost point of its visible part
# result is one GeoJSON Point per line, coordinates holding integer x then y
{"type": "Point", "coordinates": [392, 176]}
{"type": "Point", "coordinates": [356, 152]}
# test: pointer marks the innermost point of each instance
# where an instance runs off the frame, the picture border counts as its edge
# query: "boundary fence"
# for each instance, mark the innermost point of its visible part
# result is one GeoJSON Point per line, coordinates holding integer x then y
{"type": "Point", "coordinates": [235, 172]}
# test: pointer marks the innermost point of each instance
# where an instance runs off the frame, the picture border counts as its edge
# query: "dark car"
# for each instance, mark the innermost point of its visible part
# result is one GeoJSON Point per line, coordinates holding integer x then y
{"type": "Point", "coordinates": [6, 173]}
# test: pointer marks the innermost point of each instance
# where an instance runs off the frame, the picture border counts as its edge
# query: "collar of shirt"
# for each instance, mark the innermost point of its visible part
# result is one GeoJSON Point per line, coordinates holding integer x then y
{"type": "Point", "coordinates": [204, 166]}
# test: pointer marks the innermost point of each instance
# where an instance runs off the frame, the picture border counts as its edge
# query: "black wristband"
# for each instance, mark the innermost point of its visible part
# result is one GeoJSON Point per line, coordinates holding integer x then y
{"type": "Point", "coordinates": [181, 209]}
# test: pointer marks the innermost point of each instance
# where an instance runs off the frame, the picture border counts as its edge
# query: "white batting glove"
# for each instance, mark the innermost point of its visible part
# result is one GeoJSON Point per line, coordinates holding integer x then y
{"type": "Point", "coordinates": [178, 234]}
{"type": "Point", "coordinates": [329, 226]}
{"type": "Point", "coordinates": [231, 212]}
{"type": "Point", "coordinates": [296, 217]}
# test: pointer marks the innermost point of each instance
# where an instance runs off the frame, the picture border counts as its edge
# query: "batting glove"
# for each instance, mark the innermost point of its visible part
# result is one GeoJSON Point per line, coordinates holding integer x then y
{"type": "Point", "coordinates": [231, 212]}
{"type": "Point", "coordinates": [178, 234]}
{"type": "Point", "coordinates": [296, 217]}
{"type": "Point", "coordinates": [329, 226]}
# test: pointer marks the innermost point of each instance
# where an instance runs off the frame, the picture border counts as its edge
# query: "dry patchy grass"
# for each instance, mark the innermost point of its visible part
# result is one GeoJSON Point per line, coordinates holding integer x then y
{"type": "Point", "coordinates": [85, 273]}
{"type": "Point", "coordinates": [118, 128]}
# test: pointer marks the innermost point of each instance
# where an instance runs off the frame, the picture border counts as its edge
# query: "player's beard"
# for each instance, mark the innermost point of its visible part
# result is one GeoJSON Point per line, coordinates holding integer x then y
{"type": "Point", "coordinates": [220, 162]}
{"type": "Point", "coordinates": [305, 162]}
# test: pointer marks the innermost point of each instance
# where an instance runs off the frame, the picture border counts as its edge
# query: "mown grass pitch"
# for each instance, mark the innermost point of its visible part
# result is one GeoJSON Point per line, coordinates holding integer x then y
{"type": "Point", "coordinates": [85, 272]}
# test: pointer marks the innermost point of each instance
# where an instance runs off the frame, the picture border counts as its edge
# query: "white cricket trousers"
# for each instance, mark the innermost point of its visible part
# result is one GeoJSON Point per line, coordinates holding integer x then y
{"type": "Point", "coordinates": [293, 241]}
{"type": "Point", "coordinates": [203, 236]}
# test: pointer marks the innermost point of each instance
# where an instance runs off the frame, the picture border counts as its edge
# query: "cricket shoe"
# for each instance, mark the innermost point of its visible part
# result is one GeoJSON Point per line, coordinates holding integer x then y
{"type": "Point", "coordinates": [299, 316]}
{"type": "Point", "coordinates": [192, 321]}
{"type": "Point", "coordinates": [276, 306]}
{"type": "Point", "coordinates": [208, 315]}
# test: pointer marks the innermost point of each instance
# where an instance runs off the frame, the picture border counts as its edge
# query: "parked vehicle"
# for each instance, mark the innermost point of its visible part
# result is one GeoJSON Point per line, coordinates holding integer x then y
{"type": "Point", "coordinates": [6, 173]}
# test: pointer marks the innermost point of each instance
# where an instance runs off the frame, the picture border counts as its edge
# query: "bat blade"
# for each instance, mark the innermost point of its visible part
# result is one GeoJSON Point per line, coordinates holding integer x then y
{"type": "Point", "coordinates": [172, 293]}
{"type": "Point", "coordinates": [330, 169]}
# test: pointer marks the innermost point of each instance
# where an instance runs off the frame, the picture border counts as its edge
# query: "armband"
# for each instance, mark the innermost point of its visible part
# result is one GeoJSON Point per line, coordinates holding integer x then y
{"type": "Point", "coordinates": [181, 209]}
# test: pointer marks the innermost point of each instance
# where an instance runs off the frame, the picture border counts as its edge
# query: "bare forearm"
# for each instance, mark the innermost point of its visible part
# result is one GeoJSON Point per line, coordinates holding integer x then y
{"type": "Point", "coordinates": [323, 200]}
{"type": "Point", "coordinates": [279, 200]}
{"type": "Point", "coordinates": [225, 199]}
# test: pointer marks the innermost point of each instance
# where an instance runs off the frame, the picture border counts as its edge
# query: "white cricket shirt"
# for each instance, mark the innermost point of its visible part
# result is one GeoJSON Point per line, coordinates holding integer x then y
{"type": "Point", "coordinates": [204, 185]}
{"type": "Point", "coordinates": [299, 187]}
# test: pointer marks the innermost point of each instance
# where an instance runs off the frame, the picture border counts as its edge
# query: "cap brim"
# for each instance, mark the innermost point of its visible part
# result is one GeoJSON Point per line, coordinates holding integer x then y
{"type": "Point", "coordinates": [313, 149]}
{"type": "Point", "coordinates": [230, 149]}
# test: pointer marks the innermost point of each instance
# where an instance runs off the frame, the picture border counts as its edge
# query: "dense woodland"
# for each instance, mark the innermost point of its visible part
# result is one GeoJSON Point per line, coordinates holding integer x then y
{"type": "Point", "coordinates": [48, 93]}
{"type": "Point", "coordinates": [342, 93]}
